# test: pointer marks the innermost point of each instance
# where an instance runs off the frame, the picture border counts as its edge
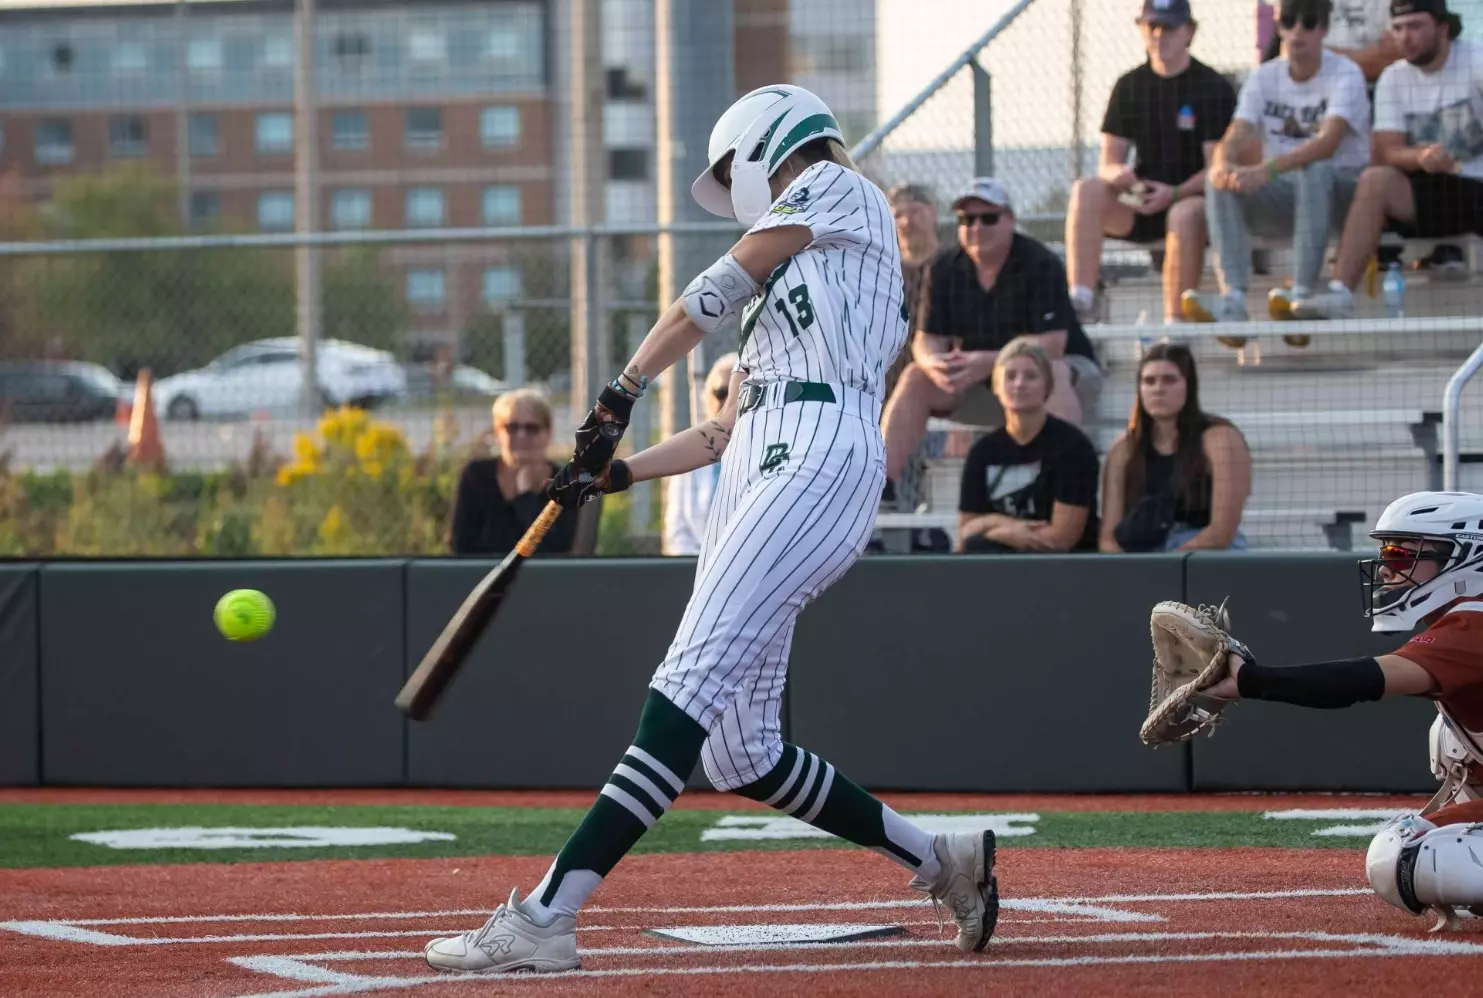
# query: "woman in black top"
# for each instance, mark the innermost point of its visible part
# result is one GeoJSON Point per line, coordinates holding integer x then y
{"type": "Point", "coordinates": [1030, 485]}
{"type": "Point", "coordinates": [1178, 479]}
{"type": "Point", "coordinates": [500, 497]}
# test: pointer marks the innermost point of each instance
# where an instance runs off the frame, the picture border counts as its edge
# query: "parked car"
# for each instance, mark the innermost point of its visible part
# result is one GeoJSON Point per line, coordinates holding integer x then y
{"type": "Point", "coordinates": [58, 391]}
{"type": "Point", "coordinates": [265, 376]}
{"type": "Point", "coordinates": [462, 383]}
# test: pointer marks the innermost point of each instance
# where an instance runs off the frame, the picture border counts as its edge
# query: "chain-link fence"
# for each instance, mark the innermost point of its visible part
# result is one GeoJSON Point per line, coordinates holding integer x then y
{"type": "Point", "coordinates": [455, 209]}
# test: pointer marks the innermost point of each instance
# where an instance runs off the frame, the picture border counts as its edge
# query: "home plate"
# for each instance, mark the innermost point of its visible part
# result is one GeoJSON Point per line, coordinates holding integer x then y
{"type": "Point", "coordinates": [774, 934]}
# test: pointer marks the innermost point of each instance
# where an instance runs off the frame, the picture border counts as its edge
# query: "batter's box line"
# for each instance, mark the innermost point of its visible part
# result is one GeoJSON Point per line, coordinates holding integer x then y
{"type": "Point", "coordinates": [1358, 946]}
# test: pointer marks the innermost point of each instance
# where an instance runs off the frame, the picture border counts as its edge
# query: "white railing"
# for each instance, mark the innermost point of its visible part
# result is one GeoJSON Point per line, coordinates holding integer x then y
{"type": "Point", "coordinates": [1451, 427]}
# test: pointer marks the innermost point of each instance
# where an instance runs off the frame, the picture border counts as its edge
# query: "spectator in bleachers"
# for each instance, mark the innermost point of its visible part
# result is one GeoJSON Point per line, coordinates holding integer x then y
{"type": "Point", "coordinates": [1170, 111]}
{"type": "Point", "coordinates": [1179, 477]}
{"type": "Point", "coordinates": [915, 212]}
{"type": "Point", "coordinates": [500, 497]}
{"type": "Point", "coordinates": [1030, 485]}
{"type": "Point", "coordinates": [687, 501]}
{"type": "Point", "coordinates": [1427, 179]}
{"type": "Point", "coordinates": [996, 284]}
{"type": "Point", "coordinates": [1288, 165]}
{"type": "Point", "coordinates": [1359, 29]}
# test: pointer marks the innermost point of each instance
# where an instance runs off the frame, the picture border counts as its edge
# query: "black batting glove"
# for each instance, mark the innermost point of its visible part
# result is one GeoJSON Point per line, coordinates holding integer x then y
{"type": "Point", "coordinates": [601, 431]}
{"type": "Point", "coordinates": [572, 487]}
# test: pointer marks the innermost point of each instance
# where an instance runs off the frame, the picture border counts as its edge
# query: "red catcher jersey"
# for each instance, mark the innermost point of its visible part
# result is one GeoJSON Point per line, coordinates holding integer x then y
{"type": "Point", "coordinates": [1451, 649]}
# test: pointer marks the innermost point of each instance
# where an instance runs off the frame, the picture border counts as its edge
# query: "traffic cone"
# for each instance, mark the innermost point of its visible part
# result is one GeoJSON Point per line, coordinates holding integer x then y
{"type": "Point", "coordinates": [145, 447]}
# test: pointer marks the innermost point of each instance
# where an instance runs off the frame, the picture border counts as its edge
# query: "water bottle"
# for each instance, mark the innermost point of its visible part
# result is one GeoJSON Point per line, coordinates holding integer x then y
{"type": "Point", "coordinates": [1393, 291]}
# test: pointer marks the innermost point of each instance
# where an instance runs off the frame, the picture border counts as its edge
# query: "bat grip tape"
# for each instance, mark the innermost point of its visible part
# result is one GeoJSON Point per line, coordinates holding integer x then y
{"type": "Point", "coordinates": [537, 531]}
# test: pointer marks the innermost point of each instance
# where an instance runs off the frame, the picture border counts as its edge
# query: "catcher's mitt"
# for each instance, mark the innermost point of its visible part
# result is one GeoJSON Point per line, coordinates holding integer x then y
{"type": "Point", "coordinates": [1190, 645]}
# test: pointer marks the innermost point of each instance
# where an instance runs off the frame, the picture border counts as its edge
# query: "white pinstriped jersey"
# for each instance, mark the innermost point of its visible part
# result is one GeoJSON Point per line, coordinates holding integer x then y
{"type": "Point", "coordinates": [835, 311]}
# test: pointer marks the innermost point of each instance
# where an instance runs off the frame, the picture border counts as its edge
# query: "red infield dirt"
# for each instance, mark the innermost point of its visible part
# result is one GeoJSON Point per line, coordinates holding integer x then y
{"type": "Point", "coordinates": [1091, 921]}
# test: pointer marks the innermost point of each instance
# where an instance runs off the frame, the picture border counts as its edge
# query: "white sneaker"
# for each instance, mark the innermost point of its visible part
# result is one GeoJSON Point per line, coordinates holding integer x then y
{"type": "Point", "coordinates": [1196, 307]}
{"type": "Point", "coordinates": [967, 885]}
{"type": "Point", "coordinates": [1335, 303]}
{"type": "Point", "coordinates": [510, 940]}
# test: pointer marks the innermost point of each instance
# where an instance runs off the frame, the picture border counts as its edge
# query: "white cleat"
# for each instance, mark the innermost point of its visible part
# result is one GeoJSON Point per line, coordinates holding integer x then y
{"type": "Point", "coordinates": [510, 940]}
{"type": "Point", "coordinates": [967, 885]}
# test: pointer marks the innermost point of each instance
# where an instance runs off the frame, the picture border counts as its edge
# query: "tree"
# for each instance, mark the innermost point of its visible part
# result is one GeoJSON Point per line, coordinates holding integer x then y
{"type": "Point", "coordinates": [168, 310]}
{"type": "Point", "coordinates": [359, 304]}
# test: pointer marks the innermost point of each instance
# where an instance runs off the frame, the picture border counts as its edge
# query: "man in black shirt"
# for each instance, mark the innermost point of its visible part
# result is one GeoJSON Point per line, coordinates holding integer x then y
{"type": "Point", "coordinates": [1171, 110]}
{"type": "Point", "coordinates": [996, 284]}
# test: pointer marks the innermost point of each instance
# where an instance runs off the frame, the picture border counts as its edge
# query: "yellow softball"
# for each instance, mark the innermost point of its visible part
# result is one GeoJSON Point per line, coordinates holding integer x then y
{"type": "Point", "coordinates": [244, 615]}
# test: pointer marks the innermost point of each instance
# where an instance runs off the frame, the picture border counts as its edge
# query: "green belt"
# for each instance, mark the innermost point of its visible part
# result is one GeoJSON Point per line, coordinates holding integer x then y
{"type": "Point", "coordinates": [793, 391]}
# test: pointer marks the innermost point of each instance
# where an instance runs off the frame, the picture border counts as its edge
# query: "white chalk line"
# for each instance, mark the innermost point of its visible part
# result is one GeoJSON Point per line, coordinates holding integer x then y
{"type": "Point", "coordinates": [1379, 946]}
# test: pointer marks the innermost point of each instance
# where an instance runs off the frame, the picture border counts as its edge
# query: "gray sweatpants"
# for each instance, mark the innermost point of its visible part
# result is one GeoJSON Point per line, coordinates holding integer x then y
{"type": "Point", "coordinates": [1307, 204]}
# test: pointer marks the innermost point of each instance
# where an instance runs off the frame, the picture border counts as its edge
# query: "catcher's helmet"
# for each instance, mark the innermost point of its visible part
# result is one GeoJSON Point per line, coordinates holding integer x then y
{"type": "Point", "coordinates": [1449, 527]}
{"type": "Point", "coordinates": [760, 131]}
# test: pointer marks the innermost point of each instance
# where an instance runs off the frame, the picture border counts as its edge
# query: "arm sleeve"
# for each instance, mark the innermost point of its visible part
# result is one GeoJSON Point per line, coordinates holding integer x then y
{"type": "Point", "coordinates": [1047, 299]}
{"type": "Point", "coordinates": [1451, 650]}
{"type": "Point", "coordinates": [463, 536]}
{"type": "Point", "coordinates": [1390, 115]}
{"type": "Point", "coordinates": [938, 317]}
{"type": "Point", "coordinates": [973, 495]}
{"type": "Point", "coordinates": [1076, 480]}
{"type": "Point", "coordinates": [833, 202]}
{"type": "Point", "coordinates": [1352, 102]}
{"type": "Point", "coordinates": [1249, 101]}
{"type": "Point", "coordinates": [1115, 119]}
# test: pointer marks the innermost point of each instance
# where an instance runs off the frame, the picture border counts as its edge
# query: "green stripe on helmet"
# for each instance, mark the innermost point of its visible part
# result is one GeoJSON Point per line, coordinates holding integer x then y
{"type": "Point", "coordinates": [814, 124]}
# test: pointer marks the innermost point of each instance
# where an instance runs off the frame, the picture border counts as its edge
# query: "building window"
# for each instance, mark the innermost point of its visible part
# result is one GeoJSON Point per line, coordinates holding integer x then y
{"type": "Point", "coordinates": [349, 130]}
{"type": "Point", "coordinates": [350, 209]}
{"type": "Point", "coordinates": [628, 164]}
{"type": "Point", "coordinates": [203, 55]}
{"type": "Point", "coordinates": [61, 58]}
{"type": "Point", "coordinates": [275, 211]}
{"type": "Point", "coordinates": [205, 134]}
{"type": "Point", "coordinates": [424, 208]}
{"type": "Point", "coordinates": [126, 136]}
{"type": "Point", "coordinates": [278, 52]}
{"type": "Point", "coordinates": [499, 127]}
{"type": "Point", "coordinates": [275, 132]}
{"type": "Point", "coordinates": [424, 128]}
{"type": "Point", "coordinates": [502, 45]}
{"type": "Point", "coordinates": [427, 46]}
{"type": "Point", "coordinates": [130, 59]}
{"type": "Point", "coordinates": [54, 141]}
{"type": "Point", "coordinates": [352, 50]}
{"type": "Point", "coordinates": [622, 87]}
{"type": "Point", "coordinates": [426, 290]}
{"type": "Point", "coordinates": [501, 206]}
{"type": "Point", "coordinates": [205, 208]}
{"type": "Point", "coordinates": [500, 284]}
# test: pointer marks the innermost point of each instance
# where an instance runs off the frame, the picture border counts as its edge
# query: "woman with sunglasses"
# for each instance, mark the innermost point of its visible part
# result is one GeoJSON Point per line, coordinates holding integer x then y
{"type": "Point", "coordinates": [1178, 479]}
{"type": "Point", "coordinates": [1429, 572]}
{"type": "Point", "coordinates": [499, 497]}
{"type": "Point", "coordinates": [687, 498]}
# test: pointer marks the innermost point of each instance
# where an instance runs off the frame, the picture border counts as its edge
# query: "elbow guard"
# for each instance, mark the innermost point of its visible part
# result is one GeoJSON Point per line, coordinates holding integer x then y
{"type": "Point", "coordinates": [717, 293]}
{"type": "Point", "coordinates": [1324, 685]}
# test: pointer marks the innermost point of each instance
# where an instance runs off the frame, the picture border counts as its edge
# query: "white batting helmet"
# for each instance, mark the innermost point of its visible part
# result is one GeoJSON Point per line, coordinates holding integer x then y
{"type": "Point", "coordinates": [760, 130]}
{"type": "Point", "coordinates": [1452, 524]}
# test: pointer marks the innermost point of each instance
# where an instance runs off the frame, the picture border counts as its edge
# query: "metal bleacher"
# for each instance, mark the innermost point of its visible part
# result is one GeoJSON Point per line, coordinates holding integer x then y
{"type": "Point", "coordinates": [1336, 429]}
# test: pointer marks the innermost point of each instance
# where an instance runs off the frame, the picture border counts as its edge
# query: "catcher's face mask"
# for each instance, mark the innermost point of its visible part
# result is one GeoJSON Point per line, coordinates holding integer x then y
{"type": "Point", "coordinates": [1404, 563]}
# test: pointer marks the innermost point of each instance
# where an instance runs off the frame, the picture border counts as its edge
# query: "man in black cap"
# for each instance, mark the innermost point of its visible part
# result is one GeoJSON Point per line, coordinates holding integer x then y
{"type": "Point", "coordinates": [1171, 110]}
{"type": "Point", "coordinates": [1427, 177]}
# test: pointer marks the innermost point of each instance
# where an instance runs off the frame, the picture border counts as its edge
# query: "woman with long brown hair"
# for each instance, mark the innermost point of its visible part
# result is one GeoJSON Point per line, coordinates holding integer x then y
{"type": "Point", "coordinates": [1178, 478]}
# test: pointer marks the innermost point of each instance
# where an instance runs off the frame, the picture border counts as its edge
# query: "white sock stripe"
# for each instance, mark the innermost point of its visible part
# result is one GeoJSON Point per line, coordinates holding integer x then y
{"type": "Point", "coordinates": [788, 783]}
{"type": "Point", "coordinates": [664, 772]}
{"type": "Point", "coordinates": [626, 799]}
{"type": "Point", "coordinates": [824, 786]}
{"type": "Point", "coordinates": [804, 785]}
{"type": "Point", "coordinates": [639, 779]}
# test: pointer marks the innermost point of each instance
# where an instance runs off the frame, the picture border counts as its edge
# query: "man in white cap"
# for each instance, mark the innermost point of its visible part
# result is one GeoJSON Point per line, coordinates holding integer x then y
{"type": "Point", "coordinates": [996, 284]}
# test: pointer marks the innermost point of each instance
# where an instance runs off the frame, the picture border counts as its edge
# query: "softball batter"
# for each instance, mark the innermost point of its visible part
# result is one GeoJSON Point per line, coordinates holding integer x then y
{"type": "Point", "coordinates": [816, 287]}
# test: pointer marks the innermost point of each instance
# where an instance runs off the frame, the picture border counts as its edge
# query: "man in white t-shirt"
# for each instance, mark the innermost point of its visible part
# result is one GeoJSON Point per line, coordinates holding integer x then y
{"type": "Point", "coordinates": [1428, 173]}
{"type": "Point", "coordinates": [1287, 165]}
{"type": "Point", "coordinates": [1359, 29]}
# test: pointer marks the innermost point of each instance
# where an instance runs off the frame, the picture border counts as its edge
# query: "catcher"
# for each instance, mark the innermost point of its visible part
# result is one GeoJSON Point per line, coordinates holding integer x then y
{"type": "Point", "coordinates": [1429, 570]}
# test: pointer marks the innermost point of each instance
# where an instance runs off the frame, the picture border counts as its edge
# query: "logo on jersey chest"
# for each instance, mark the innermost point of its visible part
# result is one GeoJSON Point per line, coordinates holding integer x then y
{"type": "Point", "coordinates": [795, 203]}
{"type": "Point", "coordinates": [773, 458]}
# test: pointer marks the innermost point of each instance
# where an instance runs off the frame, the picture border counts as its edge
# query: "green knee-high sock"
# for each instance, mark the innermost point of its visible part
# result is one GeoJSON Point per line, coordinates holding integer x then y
{"type": "Point", "coordinates": [645, 783]}
{"type": "Point", "coordinates": [810, 789]}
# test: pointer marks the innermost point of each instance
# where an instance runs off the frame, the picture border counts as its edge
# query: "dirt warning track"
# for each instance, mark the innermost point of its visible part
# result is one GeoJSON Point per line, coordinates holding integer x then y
{"type": "Point", "coordinates": [1091, 921]}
